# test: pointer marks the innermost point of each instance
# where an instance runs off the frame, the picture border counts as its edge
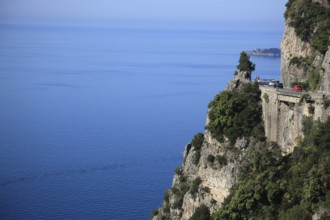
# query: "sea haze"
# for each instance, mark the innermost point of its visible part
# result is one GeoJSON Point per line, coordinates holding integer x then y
{"type": "Point", "coordinates": [93, 121]}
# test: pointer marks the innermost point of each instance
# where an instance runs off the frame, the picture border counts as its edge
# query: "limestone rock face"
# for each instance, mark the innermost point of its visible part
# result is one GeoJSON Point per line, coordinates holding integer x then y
{"type": "Point", "coordinates": [292, 46]}
{"type": "Point", "coordinates": [216, 177]}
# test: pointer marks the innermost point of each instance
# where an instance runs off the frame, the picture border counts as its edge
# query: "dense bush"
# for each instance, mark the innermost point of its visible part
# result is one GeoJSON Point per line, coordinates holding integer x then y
{"type": "Point", "coordinates": [198, 140]}
{"type": "Point", "coordinates": [179, 172]}
{"type": "Point", "coordinates": [179, 191]}
{"type": "Point", "coordinates": [298, 61]}
{"type": "Point", "coordinates": [194, 186]}
{"type": "Point", "coordinates": [201, 213]}
{"type": "Point", "coordinates": [210, 158]}
{"type": "Point", "coordinates": [236, 114]}
{"type": "Point", "coordinates": [154, 213]}
{"type": "Point", "coordinates": [222, 160]}
{"type": "Point", "coordinates": [326, 103]}
{"type": "Point", "coordinates": [272, 186]}
{"type": "Point", "coordinates": [313, 80]}
{"type": "Point", "coordinates": [197, 143]}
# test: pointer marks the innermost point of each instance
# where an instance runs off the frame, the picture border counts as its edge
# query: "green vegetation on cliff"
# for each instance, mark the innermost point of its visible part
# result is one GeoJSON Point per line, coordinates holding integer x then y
{"type": "Point", "coordinates": [236, 114]}
{"type": "Point", "coordinates": [311, 22]}
{"type": "Point", "coordinates": [201, 213]}
{"type": "Point", "coordinates": [197, 143]}
{"type": "Point", "coordinates": [291, 187]}
{"type": "Point", "coordinates": [245, 64]}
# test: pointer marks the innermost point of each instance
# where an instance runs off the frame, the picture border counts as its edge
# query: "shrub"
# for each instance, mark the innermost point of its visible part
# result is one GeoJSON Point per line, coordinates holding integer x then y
{"type": "Point", "coordinates": [197, 143]}
{"type": "Point", "coordinates": [311, 109]}
{"type": "Point", "coordinates": [297, 61]}
{"type": "Point", "coordinates": [210, 158]}
{"type": "Point", "coordinates": [305, 97]}
{"type": "Point", "coordinates": [295, 212]}
{"type": "Point", "coordinates": [206, 189]}
{"type": "Point", "coordinates": [194, 186]}
{"type": "Point", "coordinates": [197, 157]}
{"type": "Point", "coordinates": [167, 196]}
{"type": "Point", "coordinates": [179, 191]}
{"type": "Point", "coordinates": [314, 79]}
{"type": "Point", "coordinates": [326, 103]}
{"type": "Point", "coordinates": [188, 151]}
{"type": "Point", "coordinates": [222, 160]}
{"type": "Point", "coordinates": [201, 213]}
{"type": "Point", "coordinates": [266, 97]}
{"type": "Point", "coordinates": [166, 209]}
{"type": "Point", "coordinates": [198, 140]}
{"type": "Point", "coordinates": [179, 171]}
{"type": "Point", "coordinates": [320, 41]}
{"type": "Point", "coordinates": [154, 213]}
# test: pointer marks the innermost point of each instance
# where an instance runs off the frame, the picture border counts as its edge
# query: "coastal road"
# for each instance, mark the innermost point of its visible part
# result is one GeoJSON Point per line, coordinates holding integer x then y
{"type": "Point", "coordinates": [284, 91]}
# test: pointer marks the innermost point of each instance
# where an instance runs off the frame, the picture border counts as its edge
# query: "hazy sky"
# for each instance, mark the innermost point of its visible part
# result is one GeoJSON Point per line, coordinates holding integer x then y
{"type": "Point", "coordinates": [111, 12]}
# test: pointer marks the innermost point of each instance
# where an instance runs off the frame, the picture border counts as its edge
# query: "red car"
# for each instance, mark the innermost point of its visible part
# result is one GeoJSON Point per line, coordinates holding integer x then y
{"type": "Point", "coordinates": [297, 88]}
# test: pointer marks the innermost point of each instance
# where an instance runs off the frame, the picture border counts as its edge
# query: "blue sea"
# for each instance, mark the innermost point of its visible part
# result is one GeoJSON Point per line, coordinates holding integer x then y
{"type": "Point", "coordinates": [93, 121]}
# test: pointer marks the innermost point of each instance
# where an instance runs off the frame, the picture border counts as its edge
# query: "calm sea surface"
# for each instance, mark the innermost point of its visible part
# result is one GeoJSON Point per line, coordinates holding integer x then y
{"type": "Point", "coordinates": [94, 121]}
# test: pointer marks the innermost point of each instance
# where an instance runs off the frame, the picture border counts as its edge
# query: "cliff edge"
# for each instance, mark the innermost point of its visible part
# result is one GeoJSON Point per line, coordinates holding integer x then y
{"type": "Point", "coordinates": [265, 153]}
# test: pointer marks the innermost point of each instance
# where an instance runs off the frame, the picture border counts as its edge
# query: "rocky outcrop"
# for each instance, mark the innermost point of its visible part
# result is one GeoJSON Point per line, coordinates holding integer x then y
{"type": "Point", "coordinates": [240, 78]}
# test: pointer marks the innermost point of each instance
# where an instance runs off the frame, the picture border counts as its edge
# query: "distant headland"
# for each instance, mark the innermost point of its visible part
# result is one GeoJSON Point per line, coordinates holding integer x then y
{"type": "Point", "coordinates": [270, 52]}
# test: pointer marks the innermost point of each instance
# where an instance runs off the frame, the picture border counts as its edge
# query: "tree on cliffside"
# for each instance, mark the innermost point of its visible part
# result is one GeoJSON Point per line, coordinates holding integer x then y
{"type": "Point", "coordinates": [245, 64]}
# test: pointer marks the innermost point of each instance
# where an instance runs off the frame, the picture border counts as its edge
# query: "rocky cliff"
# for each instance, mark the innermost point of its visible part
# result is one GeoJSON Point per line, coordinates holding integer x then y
{"type": "Point", "coordinates": [305, 45]}
{"type": "Point", "coordinates": [211, 165]}
{"type": "Point", "coordinates": [305, 59]}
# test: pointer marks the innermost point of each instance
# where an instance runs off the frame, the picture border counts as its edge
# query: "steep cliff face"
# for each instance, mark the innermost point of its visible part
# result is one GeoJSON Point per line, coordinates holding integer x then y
{"type": "Point", "coordinates": [305, 45]}
{"type": "Point", "coordinates": [293, 47]}
{"type": "Point", "coordinates": [210, 168]}
{"type": "Point", "coordinates": [306, 60]}
{"type": "Point", "coordinates": [206, 182]}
